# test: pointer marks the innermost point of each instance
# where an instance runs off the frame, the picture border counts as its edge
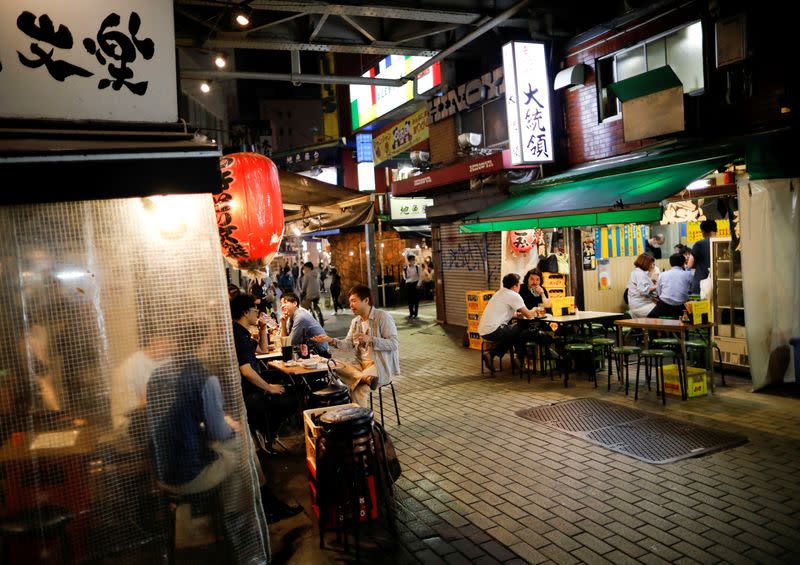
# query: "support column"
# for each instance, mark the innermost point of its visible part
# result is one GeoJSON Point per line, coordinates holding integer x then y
{"type": "Point", "coordinates": [371, 259]}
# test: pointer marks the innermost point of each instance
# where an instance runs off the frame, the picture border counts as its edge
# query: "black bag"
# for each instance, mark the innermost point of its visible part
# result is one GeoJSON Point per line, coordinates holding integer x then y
{"type": "Point", "coordinates": [385, 444]}
{"type": "Point", "coordinates": [549, 264]}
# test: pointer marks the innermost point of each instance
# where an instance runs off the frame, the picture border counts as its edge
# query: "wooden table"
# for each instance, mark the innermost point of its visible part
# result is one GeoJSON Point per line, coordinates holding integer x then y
{"type": "Point", "coordinates": [671, 326]}
{"type": "Point", "coordinates": [273, 355]}
{"type": "Point", "coordinates": [296, 370]}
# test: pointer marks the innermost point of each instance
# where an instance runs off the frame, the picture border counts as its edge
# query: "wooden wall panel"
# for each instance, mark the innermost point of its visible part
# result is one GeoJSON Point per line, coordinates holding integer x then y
{"type": "Point", "coordinates": [611, 300]}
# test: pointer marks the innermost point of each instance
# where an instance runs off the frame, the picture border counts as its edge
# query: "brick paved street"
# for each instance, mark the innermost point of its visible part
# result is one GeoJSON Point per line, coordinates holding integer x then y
{"type": "Point", "coordinates": [482, 485]}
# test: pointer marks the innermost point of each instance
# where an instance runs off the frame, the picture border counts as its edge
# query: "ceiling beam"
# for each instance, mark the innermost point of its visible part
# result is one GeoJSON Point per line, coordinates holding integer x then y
{"type": "Point", "coordinates": [298, 78]}
{"type": "Point", "coordinates": [377, 48]}
{"type": "Point", "coordinates": [390, 12]}
{"type": "Point", "coordinates": [276, 22]}
{"type": "Point", "coordinates": [189, 15]}
{"type": "Point", "coordinates": [318, 27]}
{"type": "Point", "coordinates": [425, 33]}
{"type": "Point", "coordinates": [358, 27]}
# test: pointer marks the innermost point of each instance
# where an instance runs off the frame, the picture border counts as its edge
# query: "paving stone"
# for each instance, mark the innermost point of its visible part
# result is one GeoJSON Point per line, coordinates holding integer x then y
{"type": "Point", "coordinates": [528, 553]}
{"type": "Point", "coordinates": [586, 555]}
{"type": "Point", "coordinates": [596, 544]}
{"type": "Point", "coordinates": [558, 555]}
{"type": "Point", "coordinates": [497, 551]}
{"type": "Point", "coordinates": [439, 546]}
{"type": "Point", "coordinates": [428, 557]}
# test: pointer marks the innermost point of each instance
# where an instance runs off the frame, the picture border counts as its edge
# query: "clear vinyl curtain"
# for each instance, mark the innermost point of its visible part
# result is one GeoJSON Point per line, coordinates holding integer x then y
{"type": "Point", "coordinates": [770, 237]}
{"type": "Point", "coordinates": [95, 299]}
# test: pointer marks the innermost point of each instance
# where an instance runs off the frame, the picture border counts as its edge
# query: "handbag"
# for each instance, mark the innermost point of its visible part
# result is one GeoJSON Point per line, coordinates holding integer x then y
{"type": "Point", "coordinates": [549, 264]}
{"type": "Point", "coordinates": [563, 263]}
{"type": "Point", "coordinates": [385, 444]}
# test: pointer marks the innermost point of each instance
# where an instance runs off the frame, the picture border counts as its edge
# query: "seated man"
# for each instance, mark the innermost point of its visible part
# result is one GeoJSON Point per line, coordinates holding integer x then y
{"type": "Point", "coordinates": [267, 404]}
{"type": "Point", "coordinates": [672, 289]}
{"type": "Point", "coordinates": [495, 324]}
{"type": "Point", "coordinates": [373, 335]}
{"type": "Point", "coordinates": [300, 325]}
{"type": "Point", "coordinates": [193, 442]}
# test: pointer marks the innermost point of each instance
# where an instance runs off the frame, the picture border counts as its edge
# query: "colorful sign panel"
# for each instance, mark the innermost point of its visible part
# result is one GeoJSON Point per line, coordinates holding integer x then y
{"type": "Point", "coordinates": [409, 208]}
{"type": "Point", "coordinates": [402, 136]}
{"type": "Point", "coordinates": [530, 134]}
{"type": "Point", "coordinates": [369, 102]}
{"type": "Point", "coordinates": [693, 233]}
{"type": "Point", "coordinates": [620, 241]}
{"type": "Point", "coordinates": [107, 60]}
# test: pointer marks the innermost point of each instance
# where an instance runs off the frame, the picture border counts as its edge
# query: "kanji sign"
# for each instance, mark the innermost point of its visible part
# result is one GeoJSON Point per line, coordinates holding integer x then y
{"type": "Point", "coordinates": [409, 208]}
{"type": "Point", "coordinates": [401, 136]}
{"type": "Point", "coordinates": [527, 102]}
{"type": "Point", "coordinates": [107, 60]}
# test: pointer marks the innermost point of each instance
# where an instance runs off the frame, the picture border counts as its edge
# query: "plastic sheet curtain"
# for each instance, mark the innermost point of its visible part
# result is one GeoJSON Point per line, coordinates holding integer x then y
{"type": "Point", "coordinates": [97, 300]}
{"type": "Point", "coordinates": [770, 237]}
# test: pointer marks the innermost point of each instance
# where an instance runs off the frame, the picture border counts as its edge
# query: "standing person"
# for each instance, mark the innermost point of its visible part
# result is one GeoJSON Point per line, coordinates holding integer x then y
{"type": "Point", "coordinates": [653, 245]}
{"type": "Point", "coordinates": [702, 254]}
{"type": "Point", "coordinates": [336, 290]}
{"type": "Point", "coordinates": [309, 292]}
{"type": "Point", "coordinates": [672, 289]}
{"type": "Point", "coordinates": [640, 287]}
{"type": "Point", "coordinates": [267, 404]}
{"type": "Point", "coordinates": [412, 282]}
{"type": "Point", "coordinates": [495, 324]}
{"type": "Point", "coordinates": [323, 274]}
{"type": "Point", "coordinates": [285, 280]}
{"type": "Point", "coordinates": [300, 325]}
{"type": "Point", "coordinates": [373, 335]}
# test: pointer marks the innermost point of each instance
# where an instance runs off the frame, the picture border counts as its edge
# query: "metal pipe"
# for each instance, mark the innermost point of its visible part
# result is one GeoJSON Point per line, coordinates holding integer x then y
{"type": "Point", "coordinates": [290, 77]}
{"type": "Point", "coordinates": [477, 32]}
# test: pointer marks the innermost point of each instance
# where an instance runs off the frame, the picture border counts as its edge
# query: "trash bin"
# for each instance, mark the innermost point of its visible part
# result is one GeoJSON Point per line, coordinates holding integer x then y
{"type": "Point", "coordinates": [795, 342]}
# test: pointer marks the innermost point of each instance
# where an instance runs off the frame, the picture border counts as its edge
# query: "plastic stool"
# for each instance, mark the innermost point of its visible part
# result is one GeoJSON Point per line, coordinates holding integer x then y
{"type": "Point", "coordinates": [212, 497]}
{"type": "Point", "coordinates": [605, 344]}
{"type": "Point", "coordinates": [700, 344]}
{"type": "Point", "coordinates": [486, 347]}
{"type": "Point", "coordinates": [380, 401]}
{"type": "Point", "coordinates": [575, 350]}
{"type": "Point", "coordinates": [44, 522]}
{"type": "Point", "coordinates": [654, 359]}
{"type": "Point", "coordinates": [622, 354]}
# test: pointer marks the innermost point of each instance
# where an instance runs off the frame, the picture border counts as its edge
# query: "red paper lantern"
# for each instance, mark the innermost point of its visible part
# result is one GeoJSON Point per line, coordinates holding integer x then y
{"type": "Point", "coordinates": [521, 241]}
{"type": "Point", "coordinates": [249, 208]}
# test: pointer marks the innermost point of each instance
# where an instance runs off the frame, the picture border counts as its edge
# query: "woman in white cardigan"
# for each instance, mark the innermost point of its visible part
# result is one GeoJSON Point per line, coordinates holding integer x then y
{"type": "Point", "coordinates": [641, 288]}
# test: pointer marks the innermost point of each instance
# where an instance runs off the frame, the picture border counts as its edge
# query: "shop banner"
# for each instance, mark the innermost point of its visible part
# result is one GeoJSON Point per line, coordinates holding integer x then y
{"type": "Point", "coordinates": [101, 60]}
{"type": "Point", "coordinates": [693, 233]}
{"type": "Point", "coordinates": [401, 137]}
{"type": "Point", "coordinates": [620, 241]}
{"type": "Point", "coordinates": [603, 274]}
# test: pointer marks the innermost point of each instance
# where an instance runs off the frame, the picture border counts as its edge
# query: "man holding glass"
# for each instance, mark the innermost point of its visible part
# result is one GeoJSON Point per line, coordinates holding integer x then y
{"type": "Point", "coordinates": [373, 336]}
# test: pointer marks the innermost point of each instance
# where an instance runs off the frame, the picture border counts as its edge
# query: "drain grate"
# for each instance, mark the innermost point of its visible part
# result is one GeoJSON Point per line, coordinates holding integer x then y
{"type": "Point", "coordinates": [636, 433]}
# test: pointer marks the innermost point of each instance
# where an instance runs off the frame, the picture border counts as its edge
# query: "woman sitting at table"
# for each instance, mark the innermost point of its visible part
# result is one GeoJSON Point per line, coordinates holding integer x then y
{"type": "Point", "coordinates": [641, 288]}
{"type": "Point", "coordinates": [532, 292]}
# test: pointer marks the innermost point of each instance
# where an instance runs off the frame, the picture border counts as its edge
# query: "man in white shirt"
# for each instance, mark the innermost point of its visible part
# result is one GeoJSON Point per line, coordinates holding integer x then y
{"type": "Point", "coordinates": [413, 282]}
{"type": "Point", "coordinates": [505, 305]}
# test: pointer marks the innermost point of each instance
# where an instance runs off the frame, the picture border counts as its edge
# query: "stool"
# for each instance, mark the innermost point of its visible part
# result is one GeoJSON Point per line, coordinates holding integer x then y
{"type": "Point", "coordinates": [332, 395]}
{"type": "Point", "coordinates": [700, 344]}
{"type": "Point", "coordinates": [598, 329]}
{"type": "Point", "coordinates": [213, 498]}
{"type": "Point", "coordinates": [605, 344]}
{"type": "Point", "coordinates": [380, 401]}
{"type": "Point", "coordinates": [487, 347]}
{"type": "Point", "coordinates": [349, 471]}
{"type": "Point", "coordinates": [531, 355]}
{"type": "Point", "coordinates": [654, 359]}
{"type": "Point", "coordinates": [622, 353]}
{"type": "Point", "coordinates": [575, 350]}
{"type": "Point", "coordinates": [42, 523]}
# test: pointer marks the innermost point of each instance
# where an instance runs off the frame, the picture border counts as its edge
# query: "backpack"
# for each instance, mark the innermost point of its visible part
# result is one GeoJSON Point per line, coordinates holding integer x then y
{"type": "Point", "coordinates": [549, 264]}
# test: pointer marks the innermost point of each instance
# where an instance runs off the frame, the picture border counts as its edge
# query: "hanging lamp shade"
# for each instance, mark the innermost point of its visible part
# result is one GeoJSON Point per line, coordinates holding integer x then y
{"type": "Point", "coordinates": [521, 241]}
{"type": "Point", "coordinates": [249, 209]}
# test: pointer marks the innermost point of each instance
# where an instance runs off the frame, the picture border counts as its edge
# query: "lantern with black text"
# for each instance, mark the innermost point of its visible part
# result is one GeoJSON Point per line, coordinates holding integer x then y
{"type": "Point", "coordinates": [520, 241]}
{"type": "Point", "coordinates": [249, 209]}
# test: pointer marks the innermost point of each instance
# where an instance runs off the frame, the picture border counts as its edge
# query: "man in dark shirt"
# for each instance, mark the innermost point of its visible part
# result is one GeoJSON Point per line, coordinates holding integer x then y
{"type": "Point", "coordinates": [267, 404]}
{"type": "Point", "coordinates": [702, 254]}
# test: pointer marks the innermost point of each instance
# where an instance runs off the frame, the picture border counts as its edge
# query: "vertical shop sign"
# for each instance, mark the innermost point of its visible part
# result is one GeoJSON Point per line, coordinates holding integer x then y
{"type": "Point", "coordinates": [527, 103]}
{"type": "Point", "coordinates": [108, 60]}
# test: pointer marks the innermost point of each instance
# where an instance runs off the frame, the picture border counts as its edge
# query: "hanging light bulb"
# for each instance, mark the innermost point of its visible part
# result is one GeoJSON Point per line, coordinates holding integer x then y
{"type": "Point", "coordinates": [220, 61]}
{"type": "Point", "coordinates": [242, 19]}
{"type": "Point", "coordinates": [205, 88]}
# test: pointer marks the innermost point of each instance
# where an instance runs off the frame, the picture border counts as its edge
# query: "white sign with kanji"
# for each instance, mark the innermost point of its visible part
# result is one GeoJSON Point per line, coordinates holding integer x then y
{"type": "Point", "coordinates": [530, 133]}
{"type": "Point", "coordinates": [88, 60]}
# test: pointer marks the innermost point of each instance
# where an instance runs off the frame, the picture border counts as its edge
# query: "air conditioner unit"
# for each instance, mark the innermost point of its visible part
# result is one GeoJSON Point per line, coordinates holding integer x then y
{"type": "Point", "coordinates": [469, 141]}
{"type": "Point", "coordinates": [421, 159]}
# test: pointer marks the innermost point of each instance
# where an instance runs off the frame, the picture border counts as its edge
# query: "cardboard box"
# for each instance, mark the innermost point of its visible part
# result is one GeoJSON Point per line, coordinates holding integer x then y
{"type": "Point", "coordinates": [695, 377]}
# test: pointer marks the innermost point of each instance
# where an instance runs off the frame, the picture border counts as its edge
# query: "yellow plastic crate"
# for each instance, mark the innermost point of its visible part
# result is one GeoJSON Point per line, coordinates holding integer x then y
{"type": "Point", "coordinates": [695, 377]}
{"type": "Point", "coordinates": [475, 340]}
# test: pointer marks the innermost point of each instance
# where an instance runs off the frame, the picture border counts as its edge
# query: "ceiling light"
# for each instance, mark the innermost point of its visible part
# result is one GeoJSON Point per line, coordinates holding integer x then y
{"type": "Point", "coordinates": [699, 184]}
{"type": "Point", "coordinates": [242, 19]}
{"type": "Point", "coordinates": [205, 88]}
{"type": "Point", "coordinates": [220, 61]}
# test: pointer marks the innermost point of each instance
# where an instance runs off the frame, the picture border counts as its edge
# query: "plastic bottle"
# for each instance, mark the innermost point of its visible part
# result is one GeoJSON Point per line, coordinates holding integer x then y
{"type": "Point", "coordinates": [304, 346]}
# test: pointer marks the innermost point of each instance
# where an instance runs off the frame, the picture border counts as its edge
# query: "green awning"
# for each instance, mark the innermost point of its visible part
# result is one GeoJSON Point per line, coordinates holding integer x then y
{"type": "Point", "coordinates": [643, 84]}
{"type": "Point", "coordinates": [626, 197]}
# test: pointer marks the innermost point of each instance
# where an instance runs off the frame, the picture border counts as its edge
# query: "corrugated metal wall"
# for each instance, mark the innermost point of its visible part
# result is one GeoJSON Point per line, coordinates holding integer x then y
{"type": "Point", "coordinates": [469, 262]}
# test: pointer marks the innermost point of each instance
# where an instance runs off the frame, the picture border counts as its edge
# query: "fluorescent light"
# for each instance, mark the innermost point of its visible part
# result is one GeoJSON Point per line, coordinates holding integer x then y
{"type": "Point", "coordinates": [699, 184]}
{"type": "Point", "coordinates": [70, 275]}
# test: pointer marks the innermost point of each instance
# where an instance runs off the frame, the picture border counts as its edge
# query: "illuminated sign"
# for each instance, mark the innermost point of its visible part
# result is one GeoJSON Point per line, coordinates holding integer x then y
{"type": "Point", "coordinates": [467, 95]}
{"type": "Point", "coordinates": [402, 136]}
{"type": "Point", "coordinates": [530, 133]}
{"type": "Point", "coordinates": [409, 208]}
{"type": "Point", "coordinates": [369, 102]}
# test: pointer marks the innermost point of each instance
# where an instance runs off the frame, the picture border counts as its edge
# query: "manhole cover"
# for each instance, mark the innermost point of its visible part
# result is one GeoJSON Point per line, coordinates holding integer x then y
{"type": "Point", "coordinates": [639, 434]}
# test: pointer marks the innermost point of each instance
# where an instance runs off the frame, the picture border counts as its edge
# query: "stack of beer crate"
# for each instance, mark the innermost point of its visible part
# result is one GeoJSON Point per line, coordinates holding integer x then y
{"type": "Point", "coordinates": [555, 283]}
{"type": "Point", "coordinates": [476, 303]}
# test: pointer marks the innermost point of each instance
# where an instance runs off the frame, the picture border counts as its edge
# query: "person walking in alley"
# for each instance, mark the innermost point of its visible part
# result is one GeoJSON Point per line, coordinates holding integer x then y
{"type": "Point", "coordinates": [309, 292]}
{"type": "Point", "coordinates": [373, 336]}
{"type": "Point", "coordinates": [413, 282]}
